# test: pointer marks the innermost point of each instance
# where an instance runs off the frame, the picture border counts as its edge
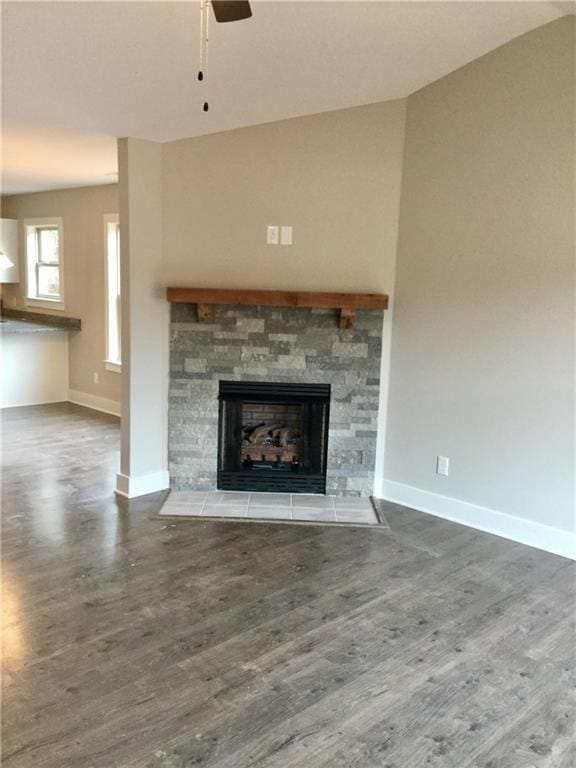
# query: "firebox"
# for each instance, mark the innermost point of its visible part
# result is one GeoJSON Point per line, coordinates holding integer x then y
{"type": "Point", "coordinates": [273, 436]}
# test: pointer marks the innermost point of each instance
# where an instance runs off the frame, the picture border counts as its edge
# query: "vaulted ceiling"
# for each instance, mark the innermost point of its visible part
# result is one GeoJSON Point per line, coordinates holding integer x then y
{"type": "Point", "coordinates": [76, 75]}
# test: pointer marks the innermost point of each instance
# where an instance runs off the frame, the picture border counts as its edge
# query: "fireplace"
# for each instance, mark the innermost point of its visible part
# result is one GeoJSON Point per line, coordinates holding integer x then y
{"type": "Point", "coordinates": [273, 436]}
{"type": "Point", "coordinates": [257, 346]}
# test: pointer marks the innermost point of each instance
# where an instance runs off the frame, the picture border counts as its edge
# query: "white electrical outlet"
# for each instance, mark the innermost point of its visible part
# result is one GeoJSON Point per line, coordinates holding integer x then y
{"type": "Point", "coordinates": [442, 465]}
{"type": "Point", "coordinates": [285, 235]}
{"type": "Point", "coordinates": [96, 378]}
{"type": "Point", "coordinates": [271, 234]}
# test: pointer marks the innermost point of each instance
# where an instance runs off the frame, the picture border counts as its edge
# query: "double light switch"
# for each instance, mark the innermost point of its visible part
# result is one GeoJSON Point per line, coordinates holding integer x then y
{"type": "Point", "coordinates": [278, 235]}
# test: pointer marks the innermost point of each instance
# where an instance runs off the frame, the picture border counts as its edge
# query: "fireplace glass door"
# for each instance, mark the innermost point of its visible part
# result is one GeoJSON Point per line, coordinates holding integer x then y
{"type": "Point", "coordinates": [273, 436]}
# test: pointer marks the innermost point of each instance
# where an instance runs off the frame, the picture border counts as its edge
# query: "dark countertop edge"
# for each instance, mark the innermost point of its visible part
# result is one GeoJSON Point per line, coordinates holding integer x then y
{"type": "Point", "coordinates": [53, 321]}
{"type": "Point", "coordinates": [12, 327]}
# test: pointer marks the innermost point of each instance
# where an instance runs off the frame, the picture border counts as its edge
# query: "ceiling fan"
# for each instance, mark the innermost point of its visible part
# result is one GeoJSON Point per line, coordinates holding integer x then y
{"type": "Point", "coordinates": [224, 11]}
{"type": "Point", "coordinates": [231, 10]}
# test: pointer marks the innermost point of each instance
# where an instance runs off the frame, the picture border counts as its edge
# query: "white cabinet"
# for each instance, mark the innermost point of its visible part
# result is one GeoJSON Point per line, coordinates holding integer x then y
{"type": "Point", "coordinates": [9, 247]}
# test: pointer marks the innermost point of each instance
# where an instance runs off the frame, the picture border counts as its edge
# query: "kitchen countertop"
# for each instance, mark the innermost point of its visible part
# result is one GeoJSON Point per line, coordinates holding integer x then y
{"type": "Point", "coordinates": [24, 321]}
{"type": "Point", "coordinates": [10, 326]}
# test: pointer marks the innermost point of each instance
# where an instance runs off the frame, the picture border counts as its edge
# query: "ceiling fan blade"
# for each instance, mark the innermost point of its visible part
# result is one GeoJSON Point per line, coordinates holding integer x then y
{"type": "Point", "coordinates": [231, 10]}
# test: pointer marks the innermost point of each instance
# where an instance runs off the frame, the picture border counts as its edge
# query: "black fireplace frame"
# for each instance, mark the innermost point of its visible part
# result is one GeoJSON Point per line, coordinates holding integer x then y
{"type": "Point", "coordinates": [276, 481]}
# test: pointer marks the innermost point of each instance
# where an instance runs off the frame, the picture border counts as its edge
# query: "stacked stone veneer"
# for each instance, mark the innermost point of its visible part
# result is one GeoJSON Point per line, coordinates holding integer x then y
{"type": "Point", "coordinates": [283, 345]}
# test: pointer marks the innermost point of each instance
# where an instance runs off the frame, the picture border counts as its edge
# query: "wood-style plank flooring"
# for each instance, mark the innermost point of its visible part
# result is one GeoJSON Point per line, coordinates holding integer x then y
{"type": "Point", "coordinates": [132, 641]}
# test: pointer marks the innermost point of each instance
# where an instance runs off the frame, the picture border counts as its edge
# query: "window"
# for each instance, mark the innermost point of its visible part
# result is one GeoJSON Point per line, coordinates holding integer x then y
{"type": "Point", "coordinates": [44, 263]}
{"type": "Point", "coordinates": [113, 304]}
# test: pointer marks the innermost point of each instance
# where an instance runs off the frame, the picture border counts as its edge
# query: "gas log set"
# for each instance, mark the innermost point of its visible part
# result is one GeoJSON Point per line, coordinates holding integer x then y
{"type": "Point", "coordinates": [271, 434]}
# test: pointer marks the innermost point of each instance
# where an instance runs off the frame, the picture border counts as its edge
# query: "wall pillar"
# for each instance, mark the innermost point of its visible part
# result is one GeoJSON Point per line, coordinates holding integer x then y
{"type": "Point", "coordinates": [145, 322]}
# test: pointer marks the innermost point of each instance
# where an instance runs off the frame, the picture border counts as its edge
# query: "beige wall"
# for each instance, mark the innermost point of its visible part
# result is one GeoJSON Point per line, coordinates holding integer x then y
{"type": "Point", "coordinates": [483, 340]}
{"type": "Point", "coordinates": [145, 322]}
{"type": "Point", "coordinates": [334, 177]}
{"type": "Point", "coordinates": [82, 211]}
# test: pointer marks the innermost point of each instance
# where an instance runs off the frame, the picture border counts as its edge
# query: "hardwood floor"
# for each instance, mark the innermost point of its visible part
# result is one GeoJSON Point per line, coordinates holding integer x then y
{"type": "Point", "coordinates": [132, 641]}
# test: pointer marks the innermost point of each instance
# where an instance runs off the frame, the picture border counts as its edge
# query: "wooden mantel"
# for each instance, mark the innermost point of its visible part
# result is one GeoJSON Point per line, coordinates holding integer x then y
{"type": "Point", "coordinates": [347, 303]}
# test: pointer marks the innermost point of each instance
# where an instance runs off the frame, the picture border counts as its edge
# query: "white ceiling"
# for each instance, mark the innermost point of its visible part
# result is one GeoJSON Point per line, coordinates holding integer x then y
{"type": "Point", "coordinates": [76, 75]}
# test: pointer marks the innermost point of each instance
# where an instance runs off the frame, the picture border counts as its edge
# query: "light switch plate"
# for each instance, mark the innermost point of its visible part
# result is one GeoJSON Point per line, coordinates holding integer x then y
{"type": "Point", "coordinates": [285, 235]}
{"type": "Point", "coordinates": [442, 465]}
{"type": "Point", "coordinates": [271, 234]}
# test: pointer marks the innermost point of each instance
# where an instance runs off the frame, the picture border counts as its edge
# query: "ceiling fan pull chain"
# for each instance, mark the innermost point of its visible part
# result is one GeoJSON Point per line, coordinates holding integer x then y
{"type": "Point", "coordinates": [202, 39]}
{"type": "Point", "coordinates": [206, 106]}
{"type": "Point", "coordinates": [201, 57]}
{"type": "Point", "coordinates": [204, 36]}
{"type": "Point", "coordinates": [206, 30]}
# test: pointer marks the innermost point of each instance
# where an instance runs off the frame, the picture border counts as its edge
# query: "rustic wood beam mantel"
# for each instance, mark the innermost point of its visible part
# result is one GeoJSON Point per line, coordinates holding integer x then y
{"type": "Point", "coordinates": [347, 303]}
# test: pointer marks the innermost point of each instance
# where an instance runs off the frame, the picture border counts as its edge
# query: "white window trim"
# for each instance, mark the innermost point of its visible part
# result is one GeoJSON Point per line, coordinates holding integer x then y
{"type": "Point", "coordinates": [110, 365]}
{"type": "Point", "coordinates": [31, 224]}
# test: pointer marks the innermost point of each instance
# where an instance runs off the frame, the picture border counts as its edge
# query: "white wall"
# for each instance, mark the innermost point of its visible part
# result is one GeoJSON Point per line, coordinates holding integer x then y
{"type": "Point", "coordinates": [483, 341]}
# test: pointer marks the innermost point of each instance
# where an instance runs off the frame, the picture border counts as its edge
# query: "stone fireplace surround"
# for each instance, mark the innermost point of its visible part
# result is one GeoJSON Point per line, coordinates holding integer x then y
{"type": "Point", "coordinates": [252, 343]}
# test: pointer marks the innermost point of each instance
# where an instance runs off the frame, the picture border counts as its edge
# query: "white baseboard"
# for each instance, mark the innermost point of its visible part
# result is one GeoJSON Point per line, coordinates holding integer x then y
{"type": "Point", "coordinates": [132, 486]}
{"type": "Point", "coordinates": [555, 540]}
{"type": "Point", "coordinates": [379, 487]}
{"type": "Point", "coordinates": [94, 402]}
{"type": "Point", "coordinates": [35, 402]}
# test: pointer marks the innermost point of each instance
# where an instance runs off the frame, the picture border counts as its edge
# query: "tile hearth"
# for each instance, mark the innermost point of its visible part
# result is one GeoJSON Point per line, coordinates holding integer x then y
{"type": "Point", "coordinates": [270, 506]}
